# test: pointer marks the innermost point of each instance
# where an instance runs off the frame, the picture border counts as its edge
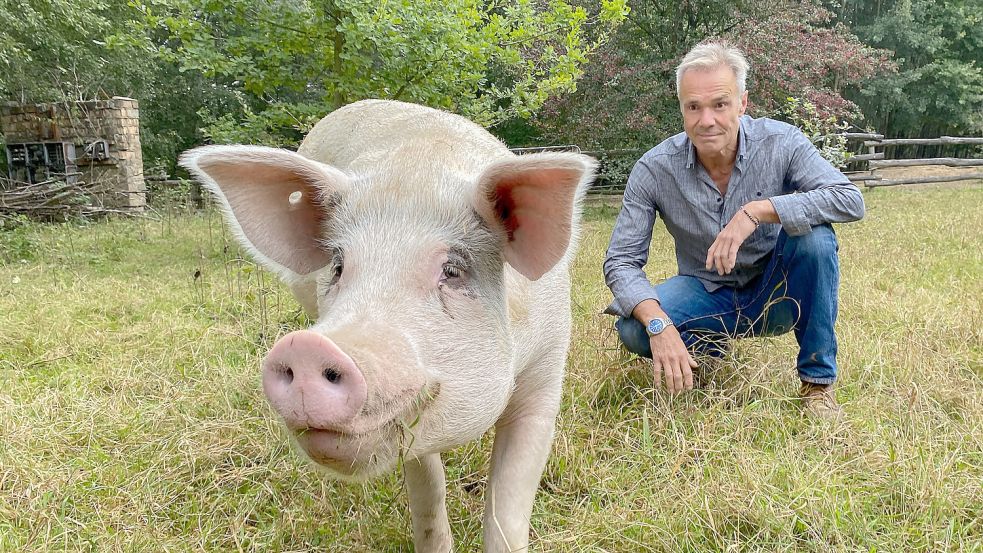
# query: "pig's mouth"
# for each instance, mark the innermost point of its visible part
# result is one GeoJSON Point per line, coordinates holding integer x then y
{"type": "Point", "coordinates": [350, 455]}
{"type": "Point", "coordinates": [370, 448]}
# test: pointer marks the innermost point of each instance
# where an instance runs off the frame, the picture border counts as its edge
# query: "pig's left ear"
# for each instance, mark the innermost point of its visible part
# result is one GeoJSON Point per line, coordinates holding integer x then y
{"type": "Point", "coordinates": [534, 198]}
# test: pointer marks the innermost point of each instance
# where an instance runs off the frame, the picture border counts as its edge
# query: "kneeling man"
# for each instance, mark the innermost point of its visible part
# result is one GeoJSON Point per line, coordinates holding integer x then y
{"type": "Point", "coordinates": [748, 203]}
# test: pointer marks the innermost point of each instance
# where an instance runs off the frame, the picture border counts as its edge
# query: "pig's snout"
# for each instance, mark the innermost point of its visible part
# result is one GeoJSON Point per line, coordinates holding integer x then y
{"type": "Point", "coordinates": [312, 383]}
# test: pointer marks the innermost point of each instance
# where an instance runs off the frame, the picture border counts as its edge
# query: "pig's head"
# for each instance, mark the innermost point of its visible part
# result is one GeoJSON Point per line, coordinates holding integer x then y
{"type": "Point", "coordinates": [412, 349]}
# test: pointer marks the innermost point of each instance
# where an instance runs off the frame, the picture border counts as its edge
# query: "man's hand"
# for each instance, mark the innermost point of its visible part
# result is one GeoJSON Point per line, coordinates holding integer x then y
{"type": "Point", "coordinates": [722, 254]}
{"type": "Point", "coordinates": [670, 357]}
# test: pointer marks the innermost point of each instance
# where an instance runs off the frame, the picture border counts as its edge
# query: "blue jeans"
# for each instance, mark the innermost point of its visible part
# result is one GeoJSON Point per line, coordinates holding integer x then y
{"type": "Point", "coordinates": [797, 291]}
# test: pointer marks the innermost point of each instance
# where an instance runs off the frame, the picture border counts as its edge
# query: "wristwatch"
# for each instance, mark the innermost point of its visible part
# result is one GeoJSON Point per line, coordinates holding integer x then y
{"type": "Point", "coordinates": [657, 325]}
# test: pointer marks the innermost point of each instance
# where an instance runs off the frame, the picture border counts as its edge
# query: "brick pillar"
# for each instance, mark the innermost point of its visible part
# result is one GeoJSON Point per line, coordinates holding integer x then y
{"type": "Point", "coordinates": [115, 121]}
{"type": "Point", "coordinates": [125, 148]}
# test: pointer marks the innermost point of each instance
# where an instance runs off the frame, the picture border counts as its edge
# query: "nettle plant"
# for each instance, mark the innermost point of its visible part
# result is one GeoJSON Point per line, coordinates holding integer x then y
{"type": "Point", "coordinates": [825, 132]}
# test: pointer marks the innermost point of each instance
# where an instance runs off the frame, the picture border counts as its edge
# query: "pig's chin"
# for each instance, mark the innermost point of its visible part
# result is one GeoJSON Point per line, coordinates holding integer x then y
{"type": "Point", "coordinates": [351, 457]}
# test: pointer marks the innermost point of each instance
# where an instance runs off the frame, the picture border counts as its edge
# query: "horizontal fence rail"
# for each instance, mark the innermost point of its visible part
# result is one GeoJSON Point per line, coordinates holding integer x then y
{"type": "Point", "coordinates": [874, 160]}
{"type": "Point", "coordinates": [948, 161]}
{"type": "Point", "coordinates": [923, 141]}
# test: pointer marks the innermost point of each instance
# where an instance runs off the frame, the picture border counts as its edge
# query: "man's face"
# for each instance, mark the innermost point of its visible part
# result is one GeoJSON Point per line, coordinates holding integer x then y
{"type": "Point", "coordinates": [711, 109]}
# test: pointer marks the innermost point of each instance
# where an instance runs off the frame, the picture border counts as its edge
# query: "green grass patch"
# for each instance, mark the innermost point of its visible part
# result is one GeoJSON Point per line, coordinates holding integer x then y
{"type": "Point", "coordinates": [132, 418]}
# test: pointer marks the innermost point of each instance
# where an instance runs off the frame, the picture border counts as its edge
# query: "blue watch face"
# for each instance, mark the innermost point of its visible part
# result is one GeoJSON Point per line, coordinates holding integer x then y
{"type": "Point", "coordinates": [656, 326]}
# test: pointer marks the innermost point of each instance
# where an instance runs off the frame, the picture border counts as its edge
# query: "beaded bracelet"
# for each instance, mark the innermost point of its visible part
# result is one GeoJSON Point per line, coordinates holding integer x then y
{"type": "Point", "coordinates": [754, 219]}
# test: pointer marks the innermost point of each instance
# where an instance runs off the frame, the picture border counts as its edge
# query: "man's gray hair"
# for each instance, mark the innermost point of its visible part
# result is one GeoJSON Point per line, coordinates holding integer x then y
{"type": "Point", "coordinates": [710, 55]}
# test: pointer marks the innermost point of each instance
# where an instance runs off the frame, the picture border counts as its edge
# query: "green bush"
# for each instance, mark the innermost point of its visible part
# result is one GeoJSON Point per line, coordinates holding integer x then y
{"type": "Point", "coordinates": [825, 133]}
{"type": "Point", "coordinates": [18, 239]}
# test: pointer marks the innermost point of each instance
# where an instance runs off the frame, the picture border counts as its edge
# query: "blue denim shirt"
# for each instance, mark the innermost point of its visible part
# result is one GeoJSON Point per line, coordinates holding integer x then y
{"type": "Point", "coordinates": [774, 161]}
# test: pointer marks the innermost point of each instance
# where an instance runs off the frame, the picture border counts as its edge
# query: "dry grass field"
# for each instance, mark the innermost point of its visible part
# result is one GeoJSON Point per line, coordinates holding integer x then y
{"type": "Point", "coordinates": [132, 419]}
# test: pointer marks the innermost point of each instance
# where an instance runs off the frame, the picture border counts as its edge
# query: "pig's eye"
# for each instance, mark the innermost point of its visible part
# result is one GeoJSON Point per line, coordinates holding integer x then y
{"type": "Point", "coordinates": [452, 275]}
{"type": "Point", "coordinates": [338, 262]}
{"type": "Point", "coordinates": [336, 276]}
{"type": "Point", "coordinates": [450, 271]}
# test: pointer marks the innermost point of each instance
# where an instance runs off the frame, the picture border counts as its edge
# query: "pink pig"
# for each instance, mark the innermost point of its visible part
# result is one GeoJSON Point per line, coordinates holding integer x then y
{"type": "Point", "coordinates": [436, 264]}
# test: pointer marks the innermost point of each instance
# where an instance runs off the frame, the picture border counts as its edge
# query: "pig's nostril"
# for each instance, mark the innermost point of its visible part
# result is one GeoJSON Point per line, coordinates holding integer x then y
{"type": "Point", "coordinates": [332, 375]}
{"type": "Point", "coordinates": [285, 373]}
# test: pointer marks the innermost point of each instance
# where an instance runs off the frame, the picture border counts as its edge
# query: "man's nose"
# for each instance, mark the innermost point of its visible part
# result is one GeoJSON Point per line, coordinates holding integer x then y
{"type": "Point", "coordinates": [706, 118]}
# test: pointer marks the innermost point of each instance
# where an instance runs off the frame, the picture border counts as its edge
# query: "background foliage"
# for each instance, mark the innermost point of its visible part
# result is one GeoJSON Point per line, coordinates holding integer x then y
{"type": "Point", "coordinates": [287, 64]}
{"type": "Point", "coordinates": [594, 73]}
{"type": "Point", "coordinates": [938, 88]}
{"type": "Point", "coordinates": [795, 49]}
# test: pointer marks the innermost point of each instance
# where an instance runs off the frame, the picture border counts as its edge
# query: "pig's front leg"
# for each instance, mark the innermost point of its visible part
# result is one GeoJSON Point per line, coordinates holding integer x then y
{"type": "Point", "coordinates": [427, 490]}
{"type": "Point", "coordinates": [523, 437]}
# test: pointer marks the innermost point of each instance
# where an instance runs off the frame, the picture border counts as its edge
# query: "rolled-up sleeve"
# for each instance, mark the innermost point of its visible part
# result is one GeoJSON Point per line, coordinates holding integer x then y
{"type": "Point", "coordinates": [628, 251]}
{"type": "Point", "coordinates": [820, 192]}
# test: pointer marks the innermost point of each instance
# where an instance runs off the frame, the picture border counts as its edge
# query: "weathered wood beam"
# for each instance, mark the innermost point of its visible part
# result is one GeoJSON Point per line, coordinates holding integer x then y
{"type": "Point", "coordinates": [866, 157]}
{"type": "Point", "coordinates": [923, 141]}
{"type": "Point", "coordinates": [926, 180]}
{"type": "Point", "coordinates": [860, 178]}
{"type": "Point", "coordinates": [948, 161]}
{"type": "Point", "coordinates": [863, 135]}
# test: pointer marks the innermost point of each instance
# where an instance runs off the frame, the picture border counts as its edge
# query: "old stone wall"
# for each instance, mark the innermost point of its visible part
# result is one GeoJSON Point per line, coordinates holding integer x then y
{"type": "Point", "coordinates": [103, 138]}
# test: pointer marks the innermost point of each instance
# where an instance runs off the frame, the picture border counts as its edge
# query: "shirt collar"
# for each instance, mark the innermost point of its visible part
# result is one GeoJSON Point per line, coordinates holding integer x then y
{"type": "Point", "coordinates": [742, 134]}
{"type": "Point", "coordinates": [741, 146]}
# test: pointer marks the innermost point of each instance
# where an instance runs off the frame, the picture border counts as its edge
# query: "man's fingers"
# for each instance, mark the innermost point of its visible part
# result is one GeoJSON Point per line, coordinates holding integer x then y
{"type": "Point", "coordinates": [710, 252]}
{"type": "Point", "coordinates": [673, 372]}
{"type": "Point", "coordinates": [673, 362]}
{"type": "Point", "coordinates": [687, 377]}
{"type": "Point", "coordinates": [663, 371]}
{"type": "Point", "coordinates": [732, 256]}
{"type": "Point", "coordinates": [720, 261]}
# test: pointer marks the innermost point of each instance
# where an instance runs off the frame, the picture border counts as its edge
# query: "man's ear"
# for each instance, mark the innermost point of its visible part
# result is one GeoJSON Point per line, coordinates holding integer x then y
{"type": "Point", "coordinates": [534, 198]}
{"type": "Point", "coordinates": [274, 200]}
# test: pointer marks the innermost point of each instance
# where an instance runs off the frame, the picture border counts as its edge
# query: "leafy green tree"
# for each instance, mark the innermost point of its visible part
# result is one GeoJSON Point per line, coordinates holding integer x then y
{"type": "Point", "coordinates": [287, 63]}
{"type": "Point", "coordinates": [628, 99]}
{"type": "Point", "coordinates": [938, 89]}
{"type": "Point", "coordinates": [802, 52]}
{"type": "Point", "coordinates": [55, 50]}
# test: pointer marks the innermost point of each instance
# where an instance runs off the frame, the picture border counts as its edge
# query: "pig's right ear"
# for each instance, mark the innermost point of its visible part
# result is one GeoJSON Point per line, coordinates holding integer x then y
{"type": "Point", "coordinates": [533, 198]}
{"type": "Point", "coordinates": [274, 201]}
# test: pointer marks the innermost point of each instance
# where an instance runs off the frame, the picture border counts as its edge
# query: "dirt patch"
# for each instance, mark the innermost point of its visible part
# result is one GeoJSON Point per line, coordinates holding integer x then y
{"type": "Point", "coordinates": [924, 171]}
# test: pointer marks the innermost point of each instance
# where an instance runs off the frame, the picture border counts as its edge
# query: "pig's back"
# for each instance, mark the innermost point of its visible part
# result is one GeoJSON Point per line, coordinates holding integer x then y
{"type": "Point", "coordinates": [365, 134]}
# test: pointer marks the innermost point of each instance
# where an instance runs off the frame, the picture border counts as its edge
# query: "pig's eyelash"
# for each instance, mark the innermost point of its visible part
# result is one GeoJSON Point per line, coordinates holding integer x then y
{"type": "Point", "coordinates": [326, 244]}
{"type": "Point", "coordinates": [460, 257]}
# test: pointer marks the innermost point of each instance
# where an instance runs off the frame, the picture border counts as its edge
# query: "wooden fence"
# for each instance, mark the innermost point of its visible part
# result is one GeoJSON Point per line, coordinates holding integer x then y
{"type": "Point", "coordinates": [863, 167]}
{"type": "Point", "coordinates": [874, 159]}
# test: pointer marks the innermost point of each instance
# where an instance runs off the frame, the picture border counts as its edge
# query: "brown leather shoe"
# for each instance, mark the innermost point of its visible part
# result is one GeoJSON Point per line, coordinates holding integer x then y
{"type": "Point", "coordinates": [819, 401]}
